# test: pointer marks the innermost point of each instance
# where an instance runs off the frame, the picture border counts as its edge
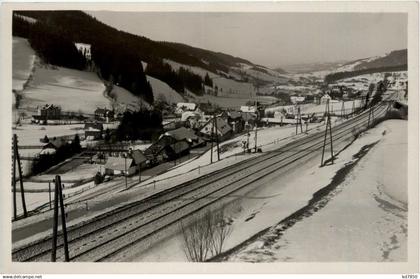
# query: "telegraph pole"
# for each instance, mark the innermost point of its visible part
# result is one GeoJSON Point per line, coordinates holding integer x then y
{"type": "Point", "coordinates": [298, 121]}
{"type": "Point", "coordinates": [125, 170]}
{"type": "Point", "coordinates": [58, 197]}
{"type": "Point", "coordinates": [255, 140]}
{"type": "Point", "coordinates": [327, 127]}
{"type": "Point", "coordinates": [211, 140]}
{"type": "Point", "coordinates": [217, 137]}
{"type": "Point", "coordinates": [16, 159]}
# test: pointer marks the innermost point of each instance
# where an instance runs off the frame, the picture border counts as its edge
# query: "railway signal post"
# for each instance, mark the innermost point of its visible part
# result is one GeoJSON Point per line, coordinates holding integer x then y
{"type": "Point", "coordinates": [58, 201]}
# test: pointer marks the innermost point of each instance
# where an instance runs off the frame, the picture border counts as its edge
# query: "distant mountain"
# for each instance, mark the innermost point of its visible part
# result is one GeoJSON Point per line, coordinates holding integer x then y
{"type": "Point", "coordinates": [280, 71]}
{"type": "Point", "coordinates": [394, 61]}
{"type": "Point", "coordinates": [311, 67]}
{"type": "Point", "coordinates": [394, 58]}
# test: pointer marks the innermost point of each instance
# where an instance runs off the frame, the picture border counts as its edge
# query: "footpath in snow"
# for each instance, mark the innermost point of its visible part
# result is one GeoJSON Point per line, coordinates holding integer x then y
{"type": "Point", "coordinates": [362, 218]}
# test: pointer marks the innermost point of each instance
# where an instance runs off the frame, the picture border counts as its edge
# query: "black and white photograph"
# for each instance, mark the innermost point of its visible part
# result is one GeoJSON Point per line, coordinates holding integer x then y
{"type": "Point", "coordinates": [211, 136]}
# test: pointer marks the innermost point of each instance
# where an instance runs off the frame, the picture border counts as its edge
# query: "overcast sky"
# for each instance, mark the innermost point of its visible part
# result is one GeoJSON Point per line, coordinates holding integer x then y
{"type": "Point", "coordinates": [272, 39]}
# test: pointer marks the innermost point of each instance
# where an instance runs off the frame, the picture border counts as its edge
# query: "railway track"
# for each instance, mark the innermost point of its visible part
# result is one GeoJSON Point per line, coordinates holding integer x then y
{"type": "Point", "coordinates": [109, 234]}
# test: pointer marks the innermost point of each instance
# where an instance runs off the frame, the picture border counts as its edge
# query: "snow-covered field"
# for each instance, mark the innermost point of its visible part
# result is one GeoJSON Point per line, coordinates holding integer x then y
{"type": "Point", "coordinates": [364, 219]}
{"type": "Point", "coordinates": [335, 106]}
{"type": "Point", "coordinates": [29, 134]}
{"type": "Point", "coordinates": [22, 62]}
{"type": "Point", "coordinates": [54, 85]}
{"type": "Point", "coordinates": [234, 101]}
{"type": "Point", "coordinates": [226, 87]}
{"type": "Point", "coordinates": [125, 99]}
{"type": "Point", "coordinates": [162, 91]}
{"type": "Point", "coordinates": [62, 86]}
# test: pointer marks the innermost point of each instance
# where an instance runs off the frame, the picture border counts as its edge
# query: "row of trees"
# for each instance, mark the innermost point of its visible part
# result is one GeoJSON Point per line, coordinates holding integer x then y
{"type": "Point", "coordinates": [143, 125]}
{"type": "Point", "coordinates": [52, 46]}
{"type": "Point", "coordinates": [122, 67]}
{"type": "Point", "coordinates": [177, 80]}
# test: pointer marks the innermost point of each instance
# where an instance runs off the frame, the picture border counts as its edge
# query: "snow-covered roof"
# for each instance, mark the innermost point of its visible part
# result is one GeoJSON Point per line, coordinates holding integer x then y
{"type": "Point", "coordinates": [189, 114]}
{"type": "Point", "coordinates": [138, 157]}
{"type": "Point", "coordinates": [118, 163]}
{"type": "Point", "coordinates": [252, 109]}
{"type": "Point", "coordinates": [188, 106]}
{"type": "Point", "coordinates": [93, 126]}
{"type": "Point", "coordinates": [182, 134]}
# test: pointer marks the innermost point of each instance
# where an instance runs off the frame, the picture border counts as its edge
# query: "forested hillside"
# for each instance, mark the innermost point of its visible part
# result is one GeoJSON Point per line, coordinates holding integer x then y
{"type": "Point", "coordinates": [117, 55]}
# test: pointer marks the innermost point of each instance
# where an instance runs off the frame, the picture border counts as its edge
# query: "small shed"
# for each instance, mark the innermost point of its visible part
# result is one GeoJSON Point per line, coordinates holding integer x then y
{"type": "Point", "coordinates": [93, 131]}
{"type": "Point", "coordinates": [120, 166]}
{"type": "Point", "coordinates": [177, 149]}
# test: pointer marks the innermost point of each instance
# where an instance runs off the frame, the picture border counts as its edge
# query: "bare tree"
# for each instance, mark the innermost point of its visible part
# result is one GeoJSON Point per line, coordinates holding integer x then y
{"type": "Point", "coordinates": [221, 231]}
{"type": "Point", "coordinates": [205, 237]}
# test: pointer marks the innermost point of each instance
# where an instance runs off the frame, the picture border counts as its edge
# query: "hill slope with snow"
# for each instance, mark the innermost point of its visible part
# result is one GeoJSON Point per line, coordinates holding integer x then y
{"type": "Point", "coordinates": [23, 59]}
{"type": "Point", "coordinates": [38, 84]}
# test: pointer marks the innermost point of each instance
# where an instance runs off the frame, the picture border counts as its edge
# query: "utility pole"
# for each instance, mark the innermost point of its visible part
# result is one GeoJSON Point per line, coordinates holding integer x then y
{"type": "Point", "coordinates": [49, 193]}
{"type": "Point", "coordinates": [139, 172]}
{"type": "Point", "coordinates": [217, 137]}
{"type": "Point", "coordinates": [298, 121]}
{"type": "Point", "coordinates": [16, 159]}
{"type": "Point", "coordinates": [327, 128]}
{"type": "Point", "coordinates": [125, 170]}
{"type": "Point", "coordinates": [371, 117]}
{"type": "Point", "coordinates": [211, 140]}
{"type": "Point", "coordinates": [256, 135]}
{"type": "Point", "coordinates": [247, 138]}
{"type": "Point", "coordinates": [352, 109]}
{"type": "Point", "coordinates": [343, 113]}
{"type": "Point", "coordinates": [58, 196]}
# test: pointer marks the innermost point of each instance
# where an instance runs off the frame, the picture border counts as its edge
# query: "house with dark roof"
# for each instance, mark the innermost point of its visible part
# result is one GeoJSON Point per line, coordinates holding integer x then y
{"type": "Point", "coordinates": [173, 144]}
{"type": "Point", "coordinates": [104, 114]}
{"type": "Point", "coordinates": [47, 112]}
{"type": "Point", "coordinates": [219, 126]}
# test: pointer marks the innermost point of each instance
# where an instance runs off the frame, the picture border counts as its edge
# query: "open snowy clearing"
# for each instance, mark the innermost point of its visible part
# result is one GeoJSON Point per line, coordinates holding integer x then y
{"type": "Point", "coordinates": [364, 218]}
{"type": "Point", "coordinates": [29, 134]}
{"type": "Point", "coordinates": [162, 91]}
{"type": "Point", "coordinates": [22, 62]}
{"type": "Point", "coordinates": [125, 99]}
{"type": "Point", "coordinates": [335, 107]}
{"type": "Point", "coordinates": [61, 86]}
{"type": "Point", "coordinates": [226, 87]}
